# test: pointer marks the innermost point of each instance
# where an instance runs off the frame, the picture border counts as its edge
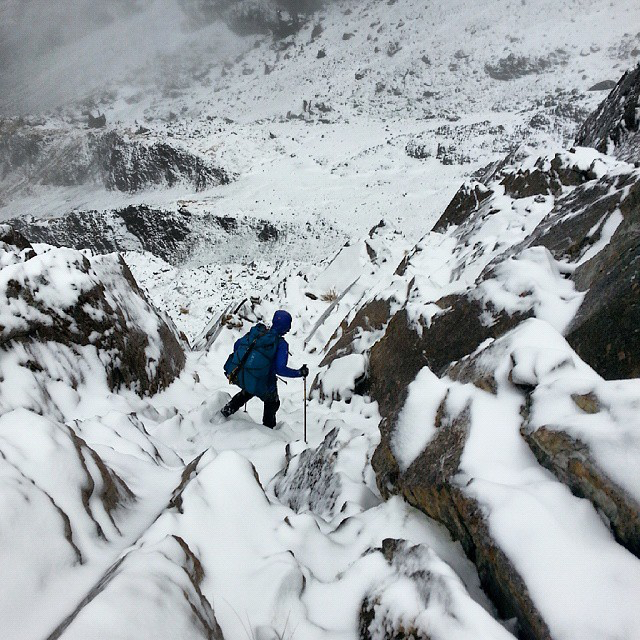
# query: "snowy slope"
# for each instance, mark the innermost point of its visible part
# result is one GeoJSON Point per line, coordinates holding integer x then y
{"type": "Point", "coordinates": [132, 515]}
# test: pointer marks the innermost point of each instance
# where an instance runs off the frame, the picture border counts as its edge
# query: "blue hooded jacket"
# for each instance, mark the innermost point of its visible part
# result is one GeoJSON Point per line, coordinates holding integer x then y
{"type": "Point", "coordinates": [280, 325]}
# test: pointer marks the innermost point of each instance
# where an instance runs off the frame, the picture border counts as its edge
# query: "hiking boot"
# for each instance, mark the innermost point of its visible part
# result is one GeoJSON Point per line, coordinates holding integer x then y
{"type": "Point", "coordinates": [226, 411]}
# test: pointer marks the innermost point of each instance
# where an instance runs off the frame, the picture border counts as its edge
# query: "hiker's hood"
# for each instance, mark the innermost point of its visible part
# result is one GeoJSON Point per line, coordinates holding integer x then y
{"type": "Point", "coordinates": [281, 322]}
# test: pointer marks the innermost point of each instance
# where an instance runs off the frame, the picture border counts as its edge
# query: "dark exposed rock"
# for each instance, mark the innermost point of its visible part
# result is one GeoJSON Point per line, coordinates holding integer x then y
{"type": "Point", "coordinates": [372, 317]}
{"type": "Point", "coordinates": [512, 66]}
{"type": "Point", "coordinates": [399, 355]}
{"type": "Point", "coordinates": [118, 161]}
{"type": "Point", "coordinates": [309, 482]}
{"type": "Point", "coordinates": [544, 181]}
{"type": "Point", "coordinates": [317, 30]}
{"type": "Point", "coordinates": [464, 203]}
{"type": "Point", "coordinates": [15, 240]}
{"type": "Point", "coordinates": [615, 125]}
{"type": "Point", "coordinates": [136, 227]}
{"type": "Point", "coordinates": [98, 122]}
{"type": "Point", "coordinates": [132, 166]}
{"type": "Point", "coordinates": [572, 462]}
{"type": "Point", "coordinates": [418, 150]}
{"type": "Point", "coordinates": [606, 330]}
{"type": "Point", "coordinates": [416, 567]}
{"type": "Point", "coordinates": [429, 484]}
{"type": "Point", "coordinates": [100, 315]}
{"type": "Point", "coordinates": [268, 233]}
{"type": "Point", "coordinates": [605, 85]}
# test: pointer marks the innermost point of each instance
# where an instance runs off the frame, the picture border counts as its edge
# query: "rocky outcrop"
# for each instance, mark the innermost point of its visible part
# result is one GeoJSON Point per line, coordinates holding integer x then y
{"type": "Point", "coordinates": [371, 317]}
{"type": "Point", "coordinates": [606, 330]}
{"type": "Point", "coordinates": [464, 203]}
{"type": "Point", "coordinates": [430, 485]}
{"type": "Point", "coordinates": [118, 160]}
{"type": "Point", "coordinates": [588, 241]}
{"type": "Point", "coordinates": [572, 462]}
{"type": "Point", "coordinates": [614, 127]}
{"type": "Point", "coordinates": [64, 297]}
{"type": "Point", "coordinates": [170, 234]}
{"type": "Point", "coordinates": [405, 348]}
{"type": "Point", "coordinates": [309, 482]}
{"type": "Point", "coordinates": [514, 66]}
{"type": "Point", "coordinates": [134, 228]}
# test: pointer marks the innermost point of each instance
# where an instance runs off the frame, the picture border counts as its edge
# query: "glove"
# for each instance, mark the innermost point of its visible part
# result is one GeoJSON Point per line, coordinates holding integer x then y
{"type": "Point", "coordinates": [304, 371]}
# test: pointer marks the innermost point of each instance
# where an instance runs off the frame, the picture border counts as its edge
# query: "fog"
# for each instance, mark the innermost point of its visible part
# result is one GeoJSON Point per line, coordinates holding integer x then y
{"type": "Point", "coordinates": [53, 52]}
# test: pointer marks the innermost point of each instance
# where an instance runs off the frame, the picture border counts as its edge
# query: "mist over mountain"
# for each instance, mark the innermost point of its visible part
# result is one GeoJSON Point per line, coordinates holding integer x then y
{"type": "Point", "coordinates": [54, 52]}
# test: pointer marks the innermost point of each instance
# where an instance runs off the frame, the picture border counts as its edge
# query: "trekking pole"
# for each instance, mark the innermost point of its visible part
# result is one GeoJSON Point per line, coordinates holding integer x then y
{"type": "Point", "coordinates": [305, 409]}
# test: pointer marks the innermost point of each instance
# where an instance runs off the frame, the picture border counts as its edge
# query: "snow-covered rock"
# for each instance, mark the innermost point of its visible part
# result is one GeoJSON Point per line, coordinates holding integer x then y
{"type": "Point", "coordinates": [121, 161]}
{"type": "Point", "coordinates": [70, 302]}
{"type": "Point", "coordinates": [614, 127]}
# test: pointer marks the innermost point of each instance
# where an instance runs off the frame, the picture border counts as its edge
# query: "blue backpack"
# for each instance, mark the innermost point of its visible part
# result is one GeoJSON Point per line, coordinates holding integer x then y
{"type": "Point", "coordinates": [251, 361]}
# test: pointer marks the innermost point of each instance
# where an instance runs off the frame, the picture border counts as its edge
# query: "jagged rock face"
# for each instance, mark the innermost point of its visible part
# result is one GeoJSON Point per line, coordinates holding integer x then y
{"type": "Point", "coordinates": [136, 227]}
{"type": "Point", "coordinates": [64, 297]}
{"type": "Point", "coordinates": [397, 357]}
{"type": "Point", "coordinates": [372, 317]}
{"type": "Point", "coordinates": [308, 482]}
{"type": "Point", "coordinates": [606, 329]}
{"type": "Point", "coordinates": [131, 166]}
{"type": "Point", "coordinates": [615, 125]}
{"type": "Point", "coordinates": [464, 203]}
{"type": "Point", "coordinates": [119, 161]}
{"type": "Point", "coordinates": [317, 480]}
{"type": "Point", "coordinates": [173, 235]}
{"type": "Point", "coordinates": [589, 240]}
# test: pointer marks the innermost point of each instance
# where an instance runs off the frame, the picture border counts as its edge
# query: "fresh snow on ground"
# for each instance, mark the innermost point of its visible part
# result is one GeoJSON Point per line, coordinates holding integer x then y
{"type": "Point", "coordinates": [155, 518]}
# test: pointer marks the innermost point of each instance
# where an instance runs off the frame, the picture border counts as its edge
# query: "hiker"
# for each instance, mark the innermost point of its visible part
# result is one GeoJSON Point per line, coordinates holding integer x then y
{"type": "Point", "coordinates": [257, 358]}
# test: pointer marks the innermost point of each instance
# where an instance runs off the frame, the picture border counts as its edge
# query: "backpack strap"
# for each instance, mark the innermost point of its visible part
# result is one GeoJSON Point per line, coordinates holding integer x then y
{"type": "Point", "coordinates": [234, 374]}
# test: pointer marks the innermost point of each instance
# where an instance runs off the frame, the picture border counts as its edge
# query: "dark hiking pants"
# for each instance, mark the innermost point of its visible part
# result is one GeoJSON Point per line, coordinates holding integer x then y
{"type": "Point", "coordinates": [271, 406]}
